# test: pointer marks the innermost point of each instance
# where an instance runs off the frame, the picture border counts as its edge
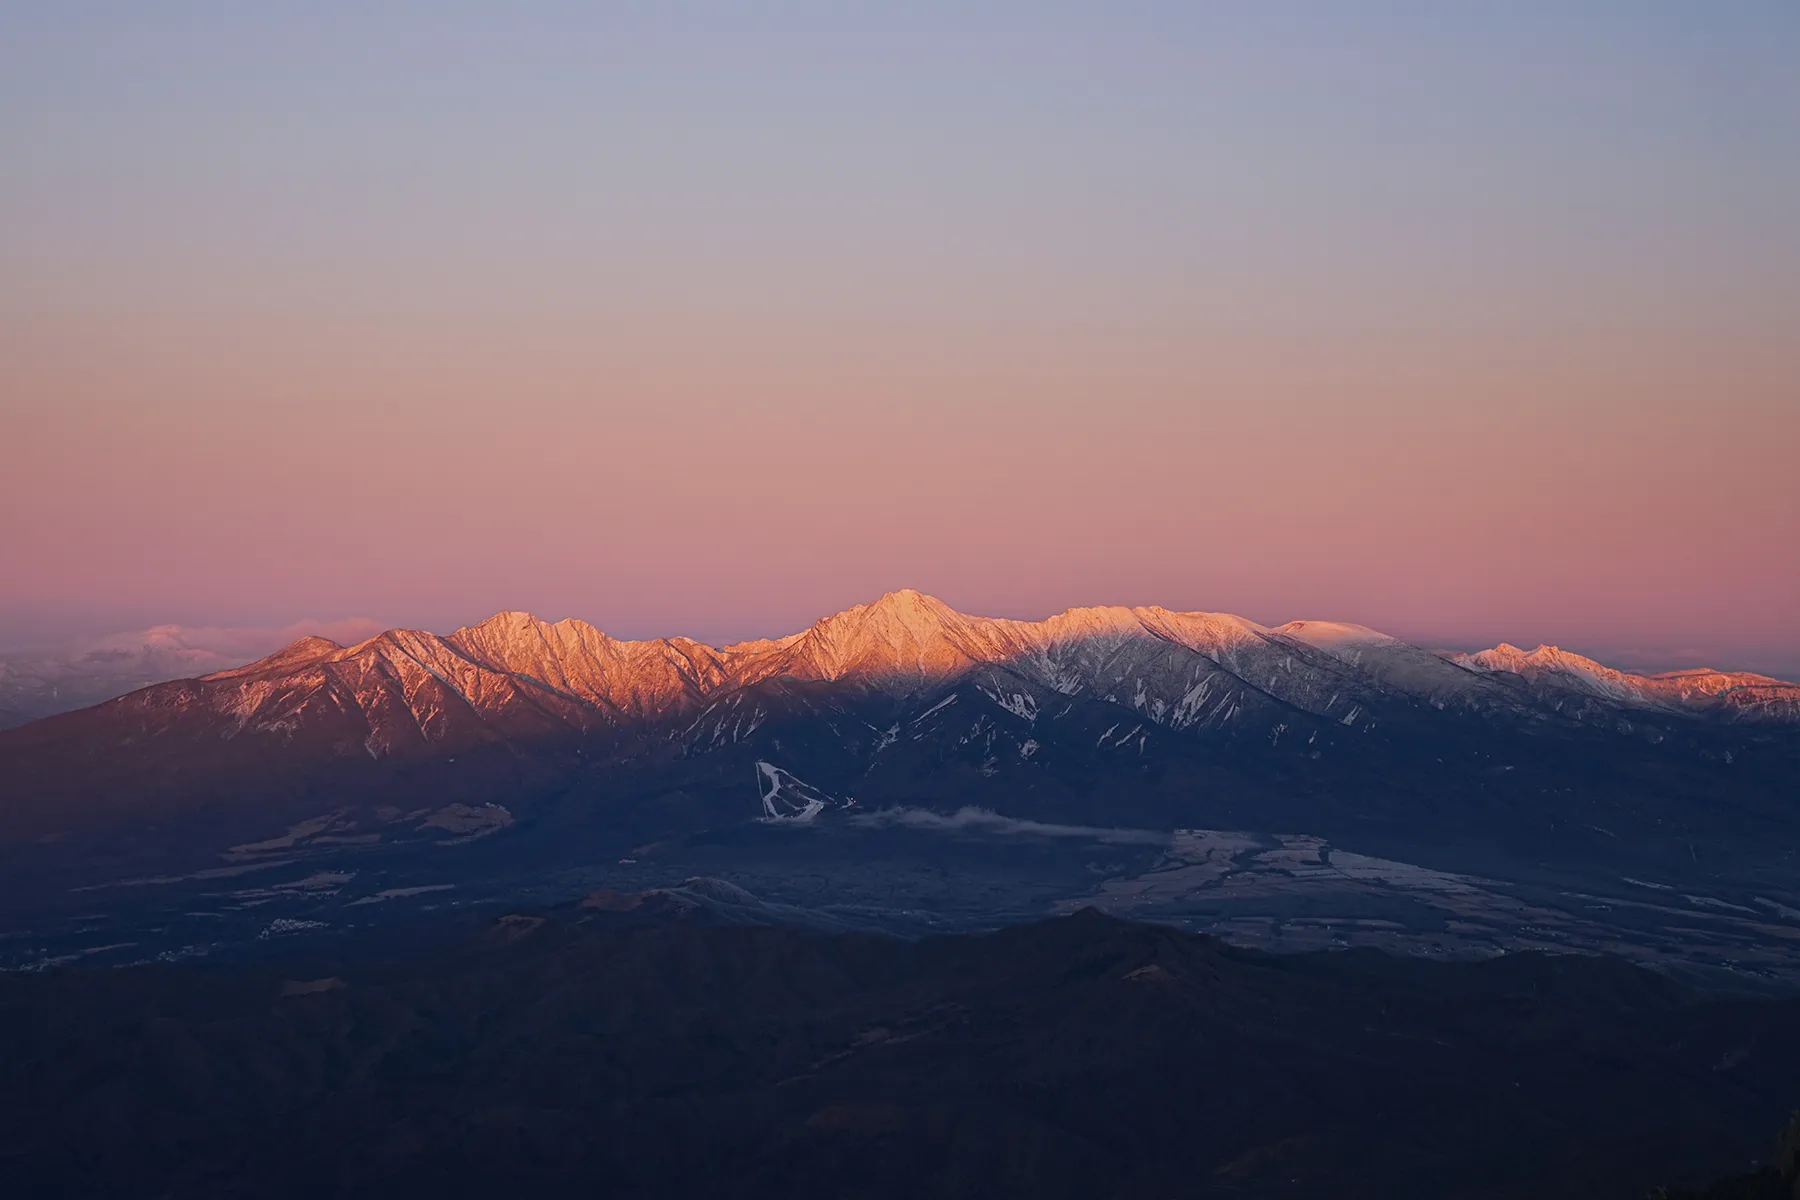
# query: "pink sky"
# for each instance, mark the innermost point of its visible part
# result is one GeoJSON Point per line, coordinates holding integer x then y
{"type": "Point", "coordinates": [1576, 495]}
{"type": "Point", "coordinates": [1484, 332]}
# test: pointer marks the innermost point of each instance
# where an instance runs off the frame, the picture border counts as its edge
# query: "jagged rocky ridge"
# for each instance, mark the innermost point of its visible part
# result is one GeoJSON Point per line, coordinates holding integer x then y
{"type": "Point", "coordinates": [515, 701]}
{"type": "Point", "coordinates": [514, 675]}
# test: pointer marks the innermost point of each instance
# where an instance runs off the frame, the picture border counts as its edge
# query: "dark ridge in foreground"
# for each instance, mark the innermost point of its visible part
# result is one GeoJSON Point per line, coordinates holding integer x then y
{"type": "Point", "coordinates": [1776, 1180]}
{"type": "Point", "coordinates": [642, 1049]}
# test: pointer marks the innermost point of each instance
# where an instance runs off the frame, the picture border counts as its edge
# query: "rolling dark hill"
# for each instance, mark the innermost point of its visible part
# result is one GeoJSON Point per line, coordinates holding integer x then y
{"type": "Point", "coordinates": [633, 1048]}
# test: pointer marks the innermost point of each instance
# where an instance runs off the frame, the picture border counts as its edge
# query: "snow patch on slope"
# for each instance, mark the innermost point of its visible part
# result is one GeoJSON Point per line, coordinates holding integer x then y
{"type": "Point", "coordinates": [788, 798]}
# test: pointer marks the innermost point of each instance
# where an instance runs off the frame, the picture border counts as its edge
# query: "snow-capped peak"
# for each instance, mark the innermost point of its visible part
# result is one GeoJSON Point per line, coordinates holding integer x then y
{"type": "Point", "coordinates": [904, 634]}
{"type": "Point", "coordinates": [1541, 661]}
{"type": "Point", "coordinates": [1335, 635]}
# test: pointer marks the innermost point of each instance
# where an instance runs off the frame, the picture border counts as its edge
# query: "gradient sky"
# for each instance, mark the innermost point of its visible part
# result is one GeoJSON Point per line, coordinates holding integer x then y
{"type": "Point", "coordinates": [1468, 322]}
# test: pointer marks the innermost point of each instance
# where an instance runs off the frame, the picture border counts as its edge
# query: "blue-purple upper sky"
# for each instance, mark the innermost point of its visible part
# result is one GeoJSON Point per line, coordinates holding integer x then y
{"type": "Point", "coordinates": [1465, 321]}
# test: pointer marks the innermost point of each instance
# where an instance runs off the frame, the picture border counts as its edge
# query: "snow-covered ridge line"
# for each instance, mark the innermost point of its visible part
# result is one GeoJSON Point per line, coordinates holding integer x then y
{"type": "Point", "coordinates": [1674, 690]}
{"type": "Point", "coordinates": [513, 675]}
{"type": "Point", "coordinates": [908, 631]}
{"type": "Point", "coordinates": [908, 640]}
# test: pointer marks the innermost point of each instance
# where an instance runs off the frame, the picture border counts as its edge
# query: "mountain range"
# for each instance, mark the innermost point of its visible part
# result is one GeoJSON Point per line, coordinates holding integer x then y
{"type": "Point", "coordinates": [515, 695]}
{"type": "Point", "coordinates": [379, 846]}
{"type": "Point", "coordinates": [907, 637]}
{"type": "Point", "coordinates": [551, 747]}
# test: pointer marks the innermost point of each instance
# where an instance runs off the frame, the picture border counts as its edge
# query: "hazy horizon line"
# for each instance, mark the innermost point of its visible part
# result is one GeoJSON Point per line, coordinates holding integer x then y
{"type": "Point", "coordinates": [249, 642]}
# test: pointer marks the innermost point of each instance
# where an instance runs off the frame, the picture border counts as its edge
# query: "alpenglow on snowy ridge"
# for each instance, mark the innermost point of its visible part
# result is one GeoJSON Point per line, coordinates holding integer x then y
{"type": "Point", "coordinates": [1175, 669]}
{"type": "Point", "coordinates": [1095, 715]}
{"type": "Point", "coordinates": [1180, 759]}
